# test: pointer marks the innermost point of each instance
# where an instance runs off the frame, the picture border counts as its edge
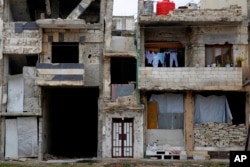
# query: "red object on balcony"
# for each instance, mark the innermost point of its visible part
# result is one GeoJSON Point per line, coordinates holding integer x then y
{"type": "Point", "coordinates": [164, 7]}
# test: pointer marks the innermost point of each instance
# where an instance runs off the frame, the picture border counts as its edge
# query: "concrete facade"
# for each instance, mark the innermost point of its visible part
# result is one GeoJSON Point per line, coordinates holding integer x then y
{"type": "Point", "coordinates": [76, 82]}
{"type": "Point", "coordinates": [32, 40]}
{"type": "Point", "coordinates": [193, 31]}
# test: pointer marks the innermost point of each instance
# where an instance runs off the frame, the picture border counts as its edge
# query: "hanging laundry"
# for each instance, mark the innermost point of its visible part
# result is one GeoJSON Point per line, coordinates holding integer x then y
{"type": "Point", "coordinates": [173, 57]}
{"type": "Point", "coordinates": [160, 57]}
{"type": "Point", "coordinates": [155, 59]}
{"type": "Point", "coordinates": [149, 56]}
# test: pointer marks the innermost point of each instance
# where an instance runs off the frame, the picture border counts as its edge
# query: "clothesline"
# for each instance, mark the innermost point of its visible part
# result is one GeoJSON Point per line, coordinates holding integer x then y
{"type": "Point", "coordinates": [154, 57]}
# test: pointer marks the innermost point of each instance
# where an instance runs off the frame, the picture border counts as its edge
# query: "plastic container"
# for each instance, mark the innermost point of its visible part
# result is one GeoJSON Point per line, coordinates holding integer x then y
{"type": "Point", "coordinates": [164, 7]}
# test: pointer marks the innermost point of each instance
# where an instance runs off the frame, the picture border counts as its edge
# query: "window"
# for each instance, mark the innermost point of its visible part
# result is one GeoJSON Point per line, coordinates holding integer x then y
{"type": "Point", "coordinates": [164, 54]}
{"type": "Point", "coordinates": [165, 111]}
{"type": "Point", "coordinates": [17, 62]}
{"type": "Point", "coordinates": [221, 55]}
{"type": "Point", "coordinates": [65, 52]}
{"type": "Point", "coordinates": [123, 70]}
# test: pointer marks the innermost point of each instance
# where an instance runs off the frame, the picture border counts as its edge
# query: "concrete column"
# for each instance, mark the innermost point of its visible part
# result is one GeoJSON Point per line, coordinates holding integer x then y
{"type": "Point", "coordinates": [55, 9]}
{"type": "Point", "coordinates": [40, 139]}
{"type": "Point", "coordinates": [48, 8]}
{"type": "Point", "coordinates": [81, 7]}
{"type": "Point", "coordinates": [189, 123]}
{"type": "Point", "coordinates": [108, 23]}
{"type": "Point", "coordinates": [140, 7]}
{"type": "Point", "coordinates": [106, 78]}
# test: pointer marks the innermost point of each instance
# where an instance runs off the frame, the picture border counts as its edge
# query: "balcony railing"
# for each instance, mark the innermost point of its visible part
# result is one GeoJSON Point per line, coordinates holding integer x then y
{"type": "Point", "coordinates": [64, 74]}
{"type": "Point", "coordinates": [190, 78]}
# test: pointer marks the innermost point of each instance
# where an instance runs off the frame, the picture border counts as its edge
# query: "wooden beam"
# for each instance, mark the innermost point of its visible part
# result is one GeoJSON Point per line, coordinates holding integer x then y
{"type": "Point", "coordinates": [189, 123]}
{"type": "Point", "coordinates": [166, 45]}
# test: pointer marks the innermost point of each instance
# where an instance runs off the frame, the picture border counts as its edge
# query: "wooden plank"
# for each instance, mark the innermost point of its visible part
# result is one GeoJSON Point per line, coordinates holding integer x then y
{"type": "Point", "coordinates": [167, 45]}
{"type": "Point", "coordinates": [55, 37]}
{"type": "Point", "coordinates": [189, 123]}
{"type": "Point", "coordinates": [152, 115]}
{"type": "Point", "coordinates": [60, 71]}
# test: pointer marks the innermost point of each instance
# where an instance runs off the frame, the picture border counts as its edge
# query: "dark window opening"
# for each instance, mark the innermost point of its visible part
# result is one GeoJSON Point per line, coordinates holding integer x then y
{"type": "Point", "coordinates": [165, 54]}
{"type": "Point", "coordinates": [17, 62]}
{"type": "Point", "coordinates": [36, 8]}
{"type": "Point", "coordinates": [219, 55]}
{"type": "Point", "coordinates": [236, 102]}
{"type": "Point", "coordinates": [65, 52]}
{"type": "Point", "coordinates": [123, 70]}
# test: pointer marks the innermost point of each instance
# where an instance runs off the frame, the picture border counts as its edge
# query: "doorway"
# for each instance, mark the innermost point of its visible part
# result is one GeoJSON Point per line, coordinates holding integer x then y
{"type": "Point", "coordinates": [71, 122]}
{"type": "Point", "coordinates": [122, 138]}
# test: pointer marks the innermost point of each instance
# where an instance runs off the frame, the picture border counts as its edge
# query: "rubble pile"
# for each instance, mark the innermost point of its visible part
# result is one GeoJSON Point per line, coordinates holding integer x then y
{"type": "Point", "coordinates": [220, 135]}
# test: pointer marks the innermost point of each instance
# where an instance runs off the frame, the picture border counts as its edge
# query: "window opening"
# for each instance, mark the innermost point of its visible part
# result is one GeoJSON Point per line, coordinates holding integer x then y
{"type": "Point", "coordinates": [17, 62]}
{"type": "Point", "coordinates": [65, 52]}
{"type": "Point", "coordinates": [165, 111]}
{"type": "Point", "coordinates": [219, 55]}
{"type": "Point", "coordinates": [123, 70]}
{"type": "Point", "coordinates": [165, 54]}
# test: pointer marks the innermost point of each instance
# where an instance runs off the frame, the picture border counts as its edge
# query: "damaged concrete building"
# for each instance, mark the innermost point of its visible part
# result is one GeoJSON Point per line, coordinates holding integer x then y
{"type": "Point", "coordinates": [195, 94]}
{"type": "Point", "coordinates": [51, 64]}
{"type": "Point", "coordinates": [78, 83]}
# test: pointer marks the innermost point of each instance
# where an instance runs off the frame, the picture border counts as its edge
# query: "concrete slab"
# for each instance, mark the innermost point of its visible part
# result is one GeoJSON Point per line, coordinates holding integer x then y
{"type": "Point", "coordinates": [62, 23]}
{"type": "Point", "coordinates": [11, 144]}
{"type": "Point", "coordinates": [27, 136]}
{"type": "Point", "coordinates": [15, 93]}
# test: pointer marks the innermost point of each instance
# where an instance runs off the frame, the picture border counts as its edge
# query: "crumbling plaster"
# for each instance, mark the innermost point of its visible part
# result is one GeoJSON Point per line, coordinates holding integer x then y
{"type": "Point", "coordinates": [26, 42]}
{"type": "Point", "coordinates": [214, 4]}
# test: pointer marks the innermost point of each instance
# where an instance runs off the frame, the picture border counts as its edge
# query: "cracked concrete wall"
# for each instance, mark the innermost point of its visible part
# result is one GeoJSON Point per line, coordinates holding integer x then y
{"type": "Point", "coordinates": [91, 46]}
{"type": "Point", "coordinates": [32, 92]}
{"type": "Point", "coordinates": [25, 42]}
{"type": "Point", "coordinates": [214, 4]}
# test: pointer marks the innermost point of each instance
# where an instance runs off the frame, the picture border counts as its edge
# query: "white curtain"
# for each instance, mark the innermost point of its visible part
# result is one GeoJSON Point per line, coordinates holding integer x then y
{"type": "Point", "coordinates": [212, 109]}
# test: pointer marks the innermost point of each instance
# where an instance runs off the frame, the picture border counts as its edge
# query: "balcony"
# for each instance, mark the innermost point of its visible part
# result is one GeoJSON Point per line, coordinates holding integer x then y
{"type": "Point", "coordinates": [190, 78]}
{"type": "Point", "coordinates": [232, 15]}
{"type": "Point", "coordinates": [63, 74]}
{"type": "Point", "coordinates": [121, 46]}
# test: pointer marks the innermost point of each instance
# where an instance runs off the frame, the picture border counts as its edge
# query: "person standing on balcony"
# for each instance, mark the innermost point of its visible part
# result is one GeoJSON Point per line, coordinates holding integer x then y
{"type": "Point", "coordinates": [218, 56]}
